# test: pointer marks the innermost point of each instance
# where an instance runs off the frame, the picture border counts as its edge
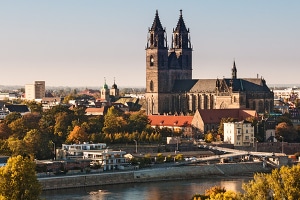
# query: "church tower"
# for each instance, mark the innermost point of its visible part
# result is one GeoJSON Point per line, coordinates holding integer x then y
{"type": "Point", "coordinates": [156, 67]}
{"type": "Point", "coordinates": [114, 91]}
{"type": "Point", "coordinates": [105, 92]}
{"type": "Point", "coordinates": [180, 54]}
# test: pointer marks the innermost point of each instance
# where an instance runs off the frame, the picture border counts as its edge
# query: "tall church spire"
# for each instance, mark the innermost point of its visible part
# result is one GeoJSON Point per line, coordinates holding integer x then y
{"type": "Point", "coordinates": [181, 38]}
{"type": "Point", "coordinates": [156, 34]}
{"type": "Point", "coordinates": [234, 71]}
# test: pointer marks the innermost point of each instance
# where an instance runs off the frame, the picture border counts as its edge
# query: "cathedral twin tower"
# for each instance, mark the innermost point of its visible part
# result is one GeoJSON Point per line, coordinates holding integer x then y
{"type": "Point", "coordinates": [170, 88]}
{"type": "Point", "coordinates": [165, 65]}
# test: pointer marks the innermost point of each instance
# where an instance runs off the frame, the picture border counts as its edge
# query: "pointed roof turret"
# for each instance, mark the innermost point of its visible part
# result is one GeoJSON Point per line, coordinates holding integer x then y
{"type": "Point", "coordinates": [181, 37]}
{"type": "Point", "coordinates": [234, 71]}
{"type": "Point", "coordinates": [157, 34]}
{"type": "Point", "coordinates": [156, 25]}
{"type": "Point", "coordinates": [114, 86]}
{"type": "Point", "coordinates": [105, 86]}
{"type": "Point", "coordinates": [181, 25]}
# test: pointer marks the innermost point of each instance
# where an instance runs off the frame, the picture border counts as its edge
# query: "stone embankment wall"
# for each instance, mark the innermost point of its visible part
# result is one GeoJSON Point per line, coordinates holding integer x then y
{"type": "Point", "coordinates": [156, 174]}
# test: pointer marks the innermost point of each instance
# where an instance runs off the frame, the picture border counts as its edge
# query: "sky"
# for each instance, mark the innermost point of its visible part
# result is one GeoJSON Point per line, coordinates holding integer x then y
{"type": "Point", "coordinates": [82, 43]}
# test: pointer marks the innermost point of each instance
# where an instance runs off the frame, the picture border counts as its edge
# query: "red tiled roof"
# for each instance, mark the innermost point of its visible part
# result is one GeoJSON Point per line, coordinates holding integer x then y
{"type": "Point", "coordinates": [89, 110]}
{"type": "Point", "coordinates": [170, 120]}
{"type": "Point", "coordinates": [215, 115]}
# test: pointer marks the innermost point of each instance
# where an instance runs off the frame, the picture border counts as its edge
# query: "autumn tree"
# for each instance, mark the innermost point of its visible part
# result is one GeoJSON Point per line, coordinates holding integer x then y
{"type": "Point", "coordinates": [113, 121]}
{"type": "Point", "coordinates": [77, 136]}
{"type": "Point", "coordinates": [5, 131]}
{"type": "Point", "coordinates": [209, 137]}
{"type": "Point", "coordinates": [12, 117]}
{"type": "Point", "coordinates": [37, 144]}
{"type": "Point", "coordinates": [288, 132]}
{"type": "Point", "coordinates": [283, 183]}
{"type": "Point", "coordinates": [18, 179]}
{"type": "Point", "coordinates": [34, 106]}
{"type": "Point", "coordinates": [17, 146]}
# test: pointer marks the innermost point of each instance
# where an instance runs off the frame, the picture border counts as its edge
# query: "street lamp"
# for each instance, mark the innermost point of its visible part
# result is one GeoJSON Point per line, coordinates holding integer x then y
{"type": "Point", "coordinates": [135, 146]}
{"type": "Point", "coordinates": [54, 149]}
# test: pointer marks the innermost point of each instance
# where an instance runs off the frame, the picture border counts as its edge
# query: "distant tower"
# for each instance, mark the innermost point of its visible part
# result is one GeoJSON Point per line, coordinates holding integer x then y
{"type": "Point", "coordinates": [105, 91]}
{"type": "Point", "coordinates": [114, 91]}
{"type": "Point", "coordinates": [234, 71]}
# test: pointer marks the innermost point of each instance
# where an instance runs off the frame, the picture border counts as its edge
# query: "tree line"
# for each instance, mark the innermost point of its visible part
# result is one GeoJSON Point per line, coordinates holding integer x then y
{"type": "Point", "coordinates": [37, 132]}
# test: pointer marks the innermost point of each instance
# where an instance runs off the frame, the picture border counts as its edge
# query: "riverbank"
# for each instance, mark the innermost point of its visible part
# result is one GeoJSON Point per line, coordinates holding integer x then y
{"type": "Point", "coordinates": [157, 174]}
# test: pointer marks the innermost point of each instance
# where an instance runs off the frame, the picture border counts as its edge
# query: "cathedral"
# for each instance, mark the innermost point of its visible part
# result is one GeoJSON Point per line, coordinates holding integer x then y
{"type": "Point", "coordinates": [170, 88]}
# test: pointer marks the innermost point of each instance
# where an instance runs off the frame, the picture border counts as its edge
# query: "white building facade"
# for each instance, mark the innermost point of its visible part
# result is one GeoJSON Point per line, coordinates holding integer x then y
{"type": "Point", "coordinates": [239, 133]}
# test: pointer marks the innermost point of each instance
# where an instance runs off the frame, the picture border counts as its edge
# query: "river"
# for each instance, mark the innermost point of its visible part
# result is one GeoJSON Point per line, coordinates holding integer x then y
{"type": "Point", "coordinates": [171, 190]}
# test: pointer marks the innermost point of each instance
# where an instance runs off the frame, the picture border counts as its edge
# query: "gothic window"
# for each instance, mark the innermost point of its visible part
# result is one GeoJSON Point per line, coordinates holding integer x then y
{"type": "Point", "coordinates": [234, 99]}
{"type": "Point", "coordinates": [151, 61]}
{"type": "Point", "coordinates": [151, 86]}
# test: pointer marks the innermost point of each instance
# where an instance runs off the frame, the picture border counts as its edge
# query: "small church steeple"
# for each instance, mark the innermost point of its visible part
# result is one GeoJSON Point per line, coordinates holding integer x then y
{"type": "Point", "coordinates": [234, 71]}
{"type": "Point", "coordinates": [105, 91]}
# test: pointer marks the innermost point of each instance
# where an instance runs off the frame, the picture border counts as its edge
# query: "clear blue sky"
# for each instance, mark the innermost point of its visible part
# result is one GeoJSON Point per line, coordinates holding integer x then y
{"type": "Point", "coordinates": [79, 42]}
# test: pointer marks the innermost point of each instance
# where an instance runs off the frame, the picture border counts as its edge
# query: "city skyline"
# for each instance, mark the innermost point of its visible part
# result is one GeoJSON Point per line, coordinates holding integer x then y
{"type": "Point", "coordinates": [78, 43]}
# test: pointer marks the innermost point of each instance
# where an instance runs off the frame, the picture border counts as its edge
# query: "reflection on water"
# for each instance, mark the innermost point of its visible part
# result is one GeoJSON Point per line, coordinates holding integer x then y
{"type": "Point", "coordinates": [171, 190]}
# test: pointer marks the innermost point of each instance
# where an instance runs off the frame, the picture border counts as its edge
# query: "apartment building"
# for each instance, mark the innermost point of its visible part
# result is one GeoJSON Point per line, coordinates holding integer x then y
{"type": "Point", "coordinates": [239, 133]}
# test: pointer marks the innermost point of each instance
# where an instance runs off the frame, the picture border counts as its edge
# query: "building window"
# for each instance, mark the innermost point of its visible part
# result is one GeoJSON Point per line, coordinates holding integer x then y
{"type": "Point", "coordinates": [151, 61]}
{"type": "Point", "coordinates": [151, 86]}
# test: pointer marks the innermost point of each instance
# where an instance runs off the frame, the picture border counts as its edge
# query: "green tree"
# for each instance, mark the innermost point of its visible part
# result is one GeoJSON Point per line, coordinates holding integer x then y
{"type": "Point", "coordinates": [18, 180]}
{"type": "Point", "coordinates": [137, 122]}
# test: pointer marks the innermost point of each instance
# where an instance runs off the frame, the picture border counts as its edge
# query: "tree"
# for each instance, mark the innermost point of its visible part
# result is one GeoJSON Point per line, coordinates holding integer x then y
{"type": "Point", "coordinates": [138, 121]}
{"type": "Point", "coordinates": [35, 106]}
{"type": "Point", "coordinates": [113, 121]}
{"type": "Point", "coordinates": [209, 137]}
{"type": "Point", "coordinates": [37, 144]}
{"type": "Point", "coordinates": [286, 131]}
{"type": "Point", "coordinates": [283, 183]}
{"type": "Point", "coordinates": [5, 131]}
{"type": "Point", "coordinates": [12, 117]}
{"type": "Point", "coordinates": [78, 135]}
{"type": "Point", "coordinates": [18, 180]}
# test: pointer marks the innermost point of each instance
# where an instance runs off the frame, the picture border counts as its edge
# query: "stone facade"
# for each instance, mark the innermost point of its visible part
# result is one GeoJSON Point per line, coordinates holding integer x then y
{"type": "Point", "coordinates": [171, 89]}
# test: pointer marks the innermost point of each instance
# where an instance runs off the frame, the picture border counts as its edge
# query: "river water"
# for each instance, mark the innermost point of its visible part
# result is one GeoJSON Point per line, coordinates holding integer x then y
{"type": "Point", "coordinates": [171, 190]}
